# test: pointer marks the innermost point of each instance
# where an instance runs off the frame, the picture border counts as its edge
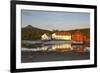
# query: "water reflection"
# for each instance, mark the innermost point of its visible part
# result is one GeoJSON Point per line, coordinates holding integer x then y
{"type": "Point", "coordinates": [56, 47]}
{"type": "Point", "coordinates": [79, 48]}
{"type": "Point", "coordinates": [65, 47]}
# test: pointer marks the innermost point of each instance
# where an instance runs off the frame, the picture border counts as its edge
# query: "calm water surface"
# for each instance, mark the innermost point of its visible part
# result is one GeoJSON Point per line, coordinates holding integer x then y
{"type": "Point", "coordinates": [43, 51]}
{"type": "Point", "coordinates": [61, 46]}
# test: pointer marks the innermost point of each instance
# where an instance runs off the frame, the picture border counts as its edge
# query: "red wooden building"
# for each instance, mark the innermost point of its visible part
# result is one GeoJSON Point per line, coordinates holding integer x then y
{"type": "Point", "coordinates": [78, 37]}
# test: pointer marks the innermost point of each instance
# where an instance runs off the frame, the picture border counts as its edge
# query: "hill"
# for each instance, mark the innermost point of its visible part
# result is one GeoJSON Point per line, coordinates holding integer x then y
{"type": "Point", "coordinates": [32, 33]}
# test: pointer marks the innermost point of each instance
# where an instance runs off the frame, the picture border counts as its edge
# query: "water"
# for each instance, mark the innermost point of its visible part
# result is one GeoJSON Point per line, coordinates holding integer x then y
{"type": "Point", "coordinates": [43, 51]}
{"type": "Point", "coordinates": [61, 46]}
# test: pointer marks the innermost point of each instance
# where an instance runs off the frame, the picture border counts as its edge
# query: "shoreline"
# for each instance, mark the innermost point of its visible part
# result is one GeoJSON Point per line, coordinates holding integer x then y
{"type": "Point", "coordinates": [52, 42]}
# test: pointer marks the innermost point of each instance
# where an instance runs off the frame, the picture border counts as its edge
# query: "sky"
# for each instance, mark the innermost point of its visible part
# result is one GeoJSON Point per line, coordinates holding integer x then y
{"type": "Point", "coordinates": [55, 20]}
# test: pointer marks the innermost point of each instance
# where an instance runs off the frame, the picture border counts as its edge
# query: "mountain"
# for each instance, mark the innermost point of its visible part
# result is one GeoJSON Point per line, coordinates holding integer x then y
{"type": "Point", "coordinates": [32, 33]}
{"type": "Point", "coordinates": [30, 27]}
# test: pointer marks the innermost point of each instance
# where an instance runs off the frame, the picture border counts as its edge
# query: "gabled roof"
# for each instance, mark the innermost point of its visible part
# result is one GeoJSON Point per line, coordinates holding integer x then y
{"type": "Point", "coordinates": [47, 34]}
{"type": "Point", "coordinates": [62, 33]}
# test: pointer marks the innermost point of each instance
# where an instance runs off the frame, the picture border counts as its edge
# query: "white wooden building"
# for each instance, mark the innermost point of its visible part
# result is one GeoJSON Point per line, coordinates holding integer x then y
{"type": "Point", "coordinates": [45, 37]}
{"type": "Point", "coordinates": [61, 35]}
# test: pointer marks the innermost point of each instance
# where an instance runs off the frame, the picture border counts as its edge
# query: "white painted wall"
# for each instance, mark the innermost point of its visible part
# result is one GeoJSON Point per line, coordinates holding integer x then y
{"type": "Point", "coordinates": [45, 37]}
{"type": "Point", "coordinates": [5, 37]}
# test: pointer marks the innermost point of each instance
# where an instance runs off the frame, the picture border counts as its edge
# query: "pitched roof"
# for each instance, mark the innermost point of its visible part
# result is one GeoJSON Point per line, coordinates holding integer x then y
{"type": "Point", "coordinates": [47, 34]}
{"type": "Point", "coordinates": [62, 33]}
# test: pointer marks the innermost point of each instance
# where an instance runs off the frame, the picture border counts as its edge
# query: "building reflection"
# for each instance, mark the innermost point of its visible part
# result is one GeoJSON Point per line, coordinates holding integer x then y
{"type": "Point", "coordinates": [64, 48]}
{"type": "Point", "coordinates": [79, 48]}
